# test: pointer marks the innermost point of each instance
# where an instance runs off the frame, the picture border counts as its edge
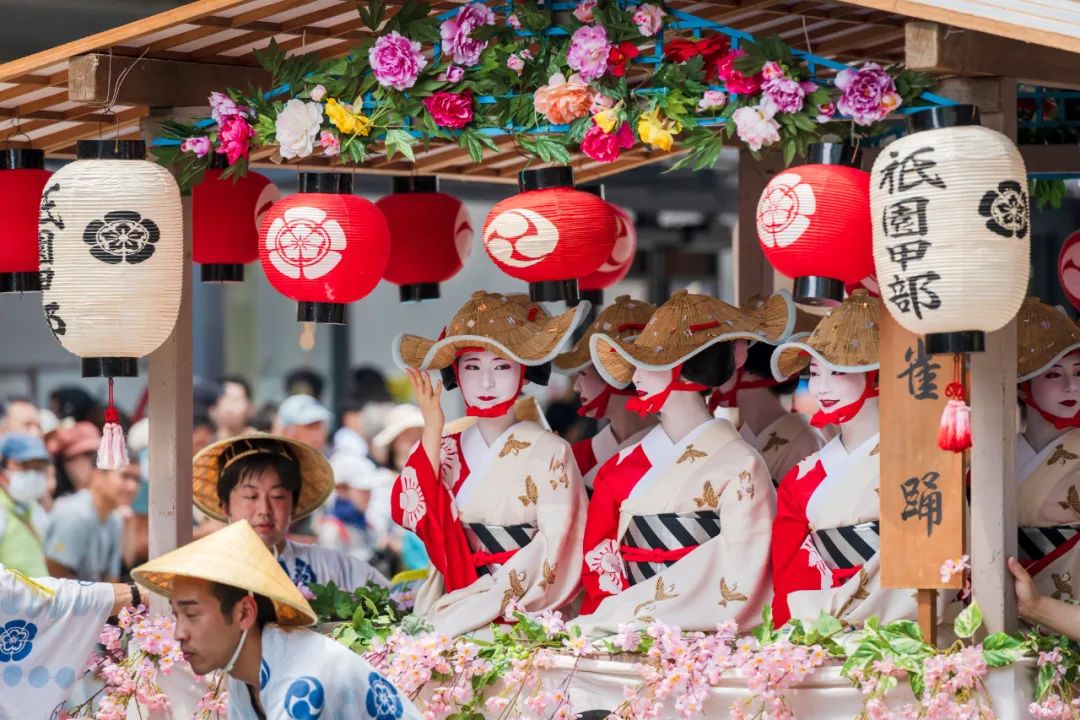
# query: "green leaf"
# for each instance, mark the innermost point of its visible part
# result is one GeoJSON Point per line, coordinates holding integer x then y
{"type": "Point", "coordinates": [907, 628]}
{"type": "Point", "coordinates": [969, 621]}
{"type": "Point", "coordinates": [399, 141]}
{"type": "Point", "coordinates": [826, 625]}
{"type": "Point", "coordinates": [1001, 649]}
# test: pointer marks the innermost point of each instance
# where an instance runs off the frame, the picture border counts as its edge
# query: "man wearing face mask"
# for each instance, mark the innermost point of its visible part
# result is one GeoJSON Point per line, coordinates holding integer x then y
{"type": "Point", "coordinates": [23, 479]}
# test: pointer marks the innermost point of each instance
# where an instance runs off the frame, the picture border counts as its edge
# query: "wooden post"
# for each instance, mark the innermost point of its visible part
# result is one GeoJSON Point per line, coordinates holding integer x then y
{"type": "Point", "coordinates": [753, 273]}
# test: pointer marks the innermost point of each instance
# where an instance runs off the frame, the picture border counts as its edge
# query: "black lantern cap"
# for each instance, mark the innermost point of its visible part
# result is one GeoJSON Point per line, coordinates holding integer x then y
{"type": "Point", "coordinates": [595, 298]}
{"type": "Point", "coordinates": [596, 189]}
{"type": "Point", "coordinates": [832, 153]}
{"type": "Point", "coordinates": [419, 291]}
{"type": "Point", "coordinates": [22, 159]}
{"type": "Point", "coordinates": [12, 282]}
{"type": "Point", "coordinates": [110, 367]}
{"type": "Point", "coordinates": [943, 116]}
{"type": "Point", "coordinates": [415, 184]}
{"type": "Point", "coordinates": [111, 150]}
{"type": "Point", "coordinates": [219, 161]}
{"type": "Point", "coordinates": [818, 291]}
{"type": "Point", "coordinates": [967, 341]}
{"type": "Point", "coordinates": [554, 291]}
{"type": "Point", "coordinates": [543, 178]}
{"type": "Point", "coordinates": [222, 273]}
{"type": "Point", "coordinates": [328, 183]}
{"type": "Point", "coordinates": [321, 312]}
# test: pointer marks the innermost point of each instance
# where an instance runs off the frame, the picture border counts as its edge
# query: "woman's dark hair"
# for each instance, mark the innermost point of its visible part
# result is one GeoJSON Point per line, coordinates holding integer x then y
{"type": "Point", "coordinates": [711, 367]}
{"type": "Point", "coordinates": [536, 374]}
{"type": "Point", "coordinates": [759, 362]}
{"type": "Point", "coordinates": [235, 466]}
{"type": "Point", "coordinates": [228, 596]}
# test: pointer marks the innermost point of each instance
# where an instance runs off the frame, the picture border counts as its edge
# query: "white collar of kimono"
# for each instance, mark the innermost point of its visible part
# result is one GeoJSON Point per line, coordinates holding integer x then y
{"type": "Point", "coordinates": [834, 456]}
{"type": "Point", "coordinates": [478, 458]}
{"type": "Point", "coordinates": [663, 453]}
{"type": "Point", "coordinates": [604, 444]}
{"type": "Point", "coordinates": [1028, 461]}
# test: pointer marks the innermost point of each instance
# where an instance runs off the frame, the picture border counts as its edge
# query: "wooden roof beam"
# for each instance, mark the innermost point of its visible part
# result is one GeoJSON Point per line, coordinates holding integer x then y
{"type": "Point", "coordinates": [971, 53]}
{"type": "Point", "coordinates": [302, 26]}
{"type": "Point", "coordinates": [213, 24]}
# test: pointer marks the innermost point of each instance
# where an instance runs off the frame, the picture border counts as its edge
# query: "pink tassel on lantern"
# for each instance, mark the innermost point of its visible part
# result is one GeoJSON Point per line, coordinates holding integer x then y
{"type": "Point", "coordinates": [954, 434]}
{"type": "Point", "coordinates": [112, 453]}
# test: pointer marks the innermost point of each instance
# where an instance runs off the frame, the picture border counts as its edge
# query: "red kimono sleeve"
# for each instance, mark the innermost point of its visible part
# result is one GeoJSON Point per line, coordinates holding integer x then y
{"type": "Point", "coordinates": [791, 564]}
{"type": "Point", "coordinates": [422, 503]}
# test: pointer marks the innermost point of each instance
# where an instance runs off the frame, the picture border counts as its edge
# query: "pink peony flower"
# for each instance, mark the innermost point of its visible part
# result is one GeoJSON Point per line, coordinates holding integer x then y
{"type": "Point", "coordinates": [456, 33]}
{"type": "Point", "coordinates": [784, 95]}
{"type": "Point", "coordinates": [515, 63]}
{"type": "Point", "coordinates": [318, 93]}
{"type": "Point", "coordinates": [330, 143]}
{"type": "Point", "coordinates": [649, 19]}
{"type": "Point", "coordinates": [584, 11]}
{"type": "Point", "coordinates": [756, 127]}
{"type": "Point", "coordinates": [712, 100]}
{"type": "Point", "coordinates": [826, 112]}
{"type": "Point", "coordinates": [601, 102]}
{"type": "Point", "coordinates": [221, 106]}
{"type": "Point", "coordinates": [234, 137]}
{"type": "Point", "coordinates": [772, 70]}
{"type": "Point", "coordinates": [452, 74]}
{"type": "Point", "coordinates": [734, 80]}
{"type": "Point", "coordinates": [588, 53]}
{"type": "Point", "coordinates": [396, 61]}
{"type": "Point", "coordinates": [513, 21]}
{"type": "Point", "coordinates": [563, 101]}
{"type": "Point", "coordinates": [450, 110]}
{"type": "Point", "coordinates": [198, 145]}
{"type": "Point", "coordinates": [604, 147]}
{"type": "Point", "coordinates": [867, 95]}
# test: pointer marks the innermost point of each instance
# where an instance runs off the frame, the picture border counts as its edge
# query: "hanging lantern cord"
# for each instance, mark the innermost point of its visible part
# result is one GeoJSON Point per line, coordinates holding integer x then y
{"type": "Point", "coordinates": [112, 454]}
{"type": "Point", "coordinates": [954, 434]}
{"type": "Point", "coordinates": [955, 389]}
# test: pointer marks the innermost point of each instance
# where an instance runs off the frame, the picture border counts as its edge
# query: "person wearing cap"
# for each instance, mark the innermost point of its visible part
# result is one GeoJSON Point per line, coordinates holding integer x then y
{"type": "Point", "coordinates": [500, 506]}
{"type": "Point", "coordinates": [75, 447]}
{"type": "Point", "coordinates": [346, 527]}
{"type": "Point", "coordinates": [272, 482]}
{"type": "Point", "coordinates": [1048, 449]}
{"type": "Point", "coordinates": [304, 419]}
{"type": "Point", "coordinates": [825, 538]}
{"type": "Point", "coordinates": [237, 611]}
{"type": "Point", "coordinates": [623, 319]}
{"type": "Point", "coordinates": [782, 437]}
{"type": "Point", "coordinates": [23, 481]}
{"type": "Point", "coordinates": [678, 526]}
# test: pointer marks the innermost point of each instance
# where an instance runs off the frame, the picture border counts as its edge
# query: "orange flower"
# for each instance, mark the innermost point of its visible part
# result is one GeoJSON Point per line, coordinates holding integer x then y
{"type": "Point", "coordinates": [563, 101]}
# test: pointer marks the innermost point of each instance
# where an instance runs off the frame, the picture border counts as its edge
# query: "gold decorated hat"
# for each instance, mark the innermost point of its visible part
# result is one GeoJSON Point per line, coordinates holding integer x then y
{"type": "Point", "coordinates": [1044, 335]}
{"type": "Point", "coordinates": [506, 325]}
{"type": "Point", "coordinates": [684, 326]}
{"type": "Point", "coordinates": [623, 319]}
{"type": "Point", "coordinates": [845, 340]}
{"type": "Point", "coordinates": [233, 556]}
{"type": "Point", "coordinates": [316, 475]}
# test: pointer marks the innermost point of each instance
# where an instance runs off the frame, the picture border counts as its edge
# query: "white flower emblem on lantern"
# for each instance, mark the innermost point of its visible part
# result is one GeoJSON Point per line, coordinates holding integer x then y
{"type": "Point", "coordinates": [784, 210]}
{"type": "Point", "coordinates": [463, 233]}
{"type": "Point", "coordinates": [605, 560]}
{"type": "Point", "coordinates": [411, 500]}
{"type": "Point", "coordinates": [520, 237]}
{"type": "Point", "coordinates": [624, 246]}
{"type": "Point", "coordinates": [305, 243]}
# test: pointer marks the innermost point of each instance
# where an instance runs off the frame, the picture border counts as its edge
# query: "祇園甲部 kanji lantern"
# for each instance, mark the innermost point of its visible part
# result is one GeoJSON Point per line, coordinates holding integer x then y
{"type": "Point", "coordinates": [550, 234]}
{"type": "Point", "coordinates": [110, 236]}
{"type": "Point", "coordinates": [324, 247]}
{"type": "Point", "coordinates": [592, 286]}
{"type": "Point", "coordinates": [813, 222]}
{"type": "Point", "coordinates": [227, 213]}
{"type": "Point", "coordinates": [22, 179]}
{"type": "Point", "coordinates": [1069, 269]}
{"type": "Point", "coordinates": [431, 236]}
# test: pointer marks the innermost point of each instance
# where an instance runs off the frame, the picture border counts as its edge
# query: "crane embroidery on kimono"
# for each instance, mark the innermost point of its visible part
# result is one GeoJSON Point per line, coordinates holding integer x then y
{"type": "Point", "coordinates": [549, 576]}
{"type": "Point", "coordinates": [729, 594]}
{"type": "Point", "coordinates": [532, 494]}
{"type": "Point", "coordinates": [513, 446]}
{"type": "Point", "coordinates": [746, 486]}
{"type": "Point", "coordinates": [691, 454]}
{"type": "Point", "coordinates": [708, 496]}
{"type": "Point", "coordinates": [1071, 501]}
{"type": "Point", "coordinates": [1061, 455]}
{"type": "Point", "coordinates": [860, 593]}
{"type": "Point", "coordinates": [558, 473]}
{"type": "Point", "coordinates": [1063, 585]}
{"type": "Point", "coordinates": [775, 441]}
{"type": "Point", "coordinates": [661, 592]}
{"type": "Point", "coordinates": [515, 592]}
{"type": "Point", "coordinates": [876, 450]}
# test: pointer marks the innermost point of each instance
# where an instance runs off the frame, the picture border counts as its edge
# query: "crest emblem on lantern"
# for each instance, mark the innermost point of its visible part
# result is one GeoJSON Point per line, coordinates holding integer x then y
{"type": "Point", "coordinates": [623, 247]}
{"type": "Point", "coordinates": [1006, 210]}
{"type": "Point", "coordinates": [463, 233]}
{"type": "Point", "coordinates": [520, 237]}
{"type": "Point", "coordinates": [305, 243]}
{"type": "Point", "coordinates": [122, 236]}
{"type": "Point", "coordinates": [784, 210]}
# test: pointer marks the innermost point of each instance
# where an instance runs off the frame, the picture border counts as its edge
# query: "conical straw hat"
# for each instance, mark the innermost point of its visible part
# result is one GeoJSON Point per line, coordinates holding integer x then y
{"type": "Point", "coordinates": [683, 327]}
{"type": "Point", "coordinates": [232, 556]}
{"type": "Point", "coordinates": [495, 322]}
{"type": "Point", "coordinates": [1044, 335]}
{"type": "Point", "coordinates": [845, 340]}
{"type": "Point", "coordinates": [316, 475]}
{"type": "Point", "coordinates": [805, 322]}
{"type": "Point", "coordinates": [623, 319]}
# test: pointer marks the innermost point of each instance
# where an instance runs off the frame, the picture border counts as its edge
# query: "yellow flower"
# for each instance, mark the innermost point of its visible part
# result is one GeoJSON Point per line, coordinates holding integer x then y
{"type": "Point", "coordinates": [606, 120]}
{"type": "Point", "coordinates": [347, 121]}
{"type": "Point", "coordinates": [654, 132]}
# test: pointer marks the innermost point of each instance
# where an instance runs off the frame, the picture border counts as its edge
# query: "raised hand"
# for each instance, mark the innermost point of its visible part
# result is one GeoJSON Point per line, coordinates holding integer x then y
{"type": "Point", "coordinates": [429, 400]}
{"type": "Point", "coordinates": [1027, 595]}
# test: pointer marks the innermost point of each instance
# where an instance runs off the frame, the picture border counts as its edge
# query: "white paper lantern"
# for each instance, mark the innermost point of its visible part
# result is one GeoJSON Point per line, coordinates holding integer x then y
{"type": "Point", "coordinates": [110, 234]}
{"type": "Point", "coordinates": [952, 230]}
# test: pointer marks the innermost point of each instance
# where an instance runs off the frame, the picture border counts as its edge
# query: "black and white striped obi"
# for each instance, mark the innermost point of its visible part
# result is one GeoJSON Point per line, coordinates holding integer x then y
{"type": "Point", "coordinates": [849, 546]}
{"type": "Point", "coordinates": [654, 542]}
{"type": "Point", "coordinates": [493, 545]}
{"type": "Point", "coordinates": [1038, 542]}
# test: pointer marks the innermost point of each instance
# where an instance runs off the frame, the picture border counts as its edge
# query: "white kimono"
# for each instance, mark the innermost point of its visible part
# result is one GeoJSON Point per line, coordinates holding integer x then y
{"type": "Point", "coordinates": [309, 564]}
{"type": "Point", "coordinates": [305, 675]}
{"type": "Point", "coordinates": [784, 443]}
{"type": "Point", "coordinates": [45, 641]}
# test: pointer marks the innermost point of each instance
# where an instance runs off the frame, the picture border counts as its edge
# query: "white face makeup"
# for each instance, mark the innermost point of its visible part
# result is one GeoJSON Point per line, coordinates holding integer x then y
{"type": "Point", "coordinates": [834, 390]}
{"type": "Point", "coordinates": [651, 382]}
{"type": "Point", "coordinates": [588, 384]}
{"type": "Point", "coordinates": [487, 380]}
{"type": "Point", "coordinates": [1057, 391]}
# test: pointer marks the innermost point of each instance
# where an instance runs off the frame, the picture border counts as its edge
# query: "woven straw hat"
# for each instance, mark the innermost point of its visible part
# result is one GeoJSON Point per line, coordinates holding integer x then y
{"type": "Point", "coordinates": [316, 475]}
{"type": "Point", "coordinates": [495, 322]}
{"type": "Point", "coordinates": [1044, 335]}
{"type": "Point", "coordinates": [845, 340]}
{"type": "Point", "coordinates": [683, 327]}
{"type": "Point", "coordinates": [232, 556]}
{"type": "Point", "coordinates": [623, 319]}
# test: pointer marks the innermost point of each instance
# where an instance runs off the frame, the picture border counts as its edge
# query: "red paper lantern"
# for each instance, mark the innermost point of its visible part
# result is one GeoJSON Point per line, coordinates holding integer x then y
{"type": "Point", "coordinates": [813, 222]}
{"type": "Point", "coordinates": [1069, 269]}
{"type": "Point", "coordinates": [430, 236]}
{"type": "Point", "coordinates": [226, 222]}
{"type": "Point", "coordinates": [22, 180]}
{"type": "Point", "coordinates": [324, 247]}
{"type": "Point", "coordinates": [618, 263]}
{"type": "Point", "coordinates": [550, 234]}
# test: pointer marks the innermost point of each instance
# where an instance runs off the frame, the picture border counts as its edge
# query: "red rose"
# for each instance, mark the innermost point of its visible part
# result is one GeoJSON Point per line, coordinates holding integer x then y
{"type": "Point", "coordinates": [734, 81]}
{"type": "Point", "coordinates": [450, 110]}
{"type": "Point", "coordinates": [679, 51]}
{"type": "Point", "coordinates": [619, 58]}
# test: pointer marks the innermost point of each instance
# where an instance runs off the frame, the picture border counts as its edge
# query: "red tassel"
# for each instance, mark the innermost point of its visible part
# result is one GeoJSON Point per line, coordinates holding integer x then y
{"type": "Point", "coordinates": [954, 434]}
{"type": "Point", "coordinates": [112, 453]}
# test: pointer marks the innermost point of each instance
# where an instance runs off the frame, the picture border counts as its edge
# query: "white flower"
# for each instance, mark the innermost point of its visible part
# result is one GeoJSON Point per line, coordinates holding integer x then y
{"type": "Point", "coordinates": [755, 126]}
{"type": "Point", "coordinates": [785, 209]}
{"type": "Point", "coordinates": [297, 127]}
{"type": "Point", "coordinates": [318, 93]}
{"type": "Point", "coordinates": [305, 243]}
{"type": "Point", "coordinates": [605, 560]}
{"type": "Point", "coordinates": [411, 499]}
